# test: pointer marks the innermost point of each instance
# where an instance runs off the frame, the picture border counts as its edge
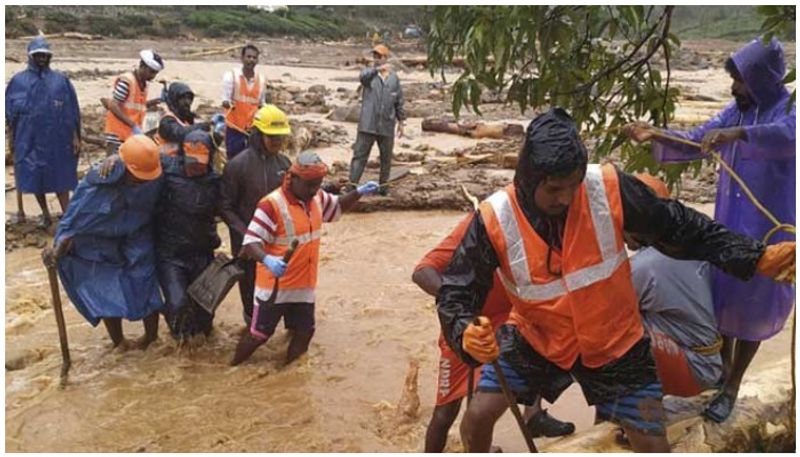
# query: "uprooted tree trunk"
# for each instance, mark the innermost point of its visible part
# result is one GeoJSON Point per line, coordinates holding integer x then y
{"type": "Point", "coordinates": [472, 129]}
{"type": "Point", "coordinates": [760, 422]}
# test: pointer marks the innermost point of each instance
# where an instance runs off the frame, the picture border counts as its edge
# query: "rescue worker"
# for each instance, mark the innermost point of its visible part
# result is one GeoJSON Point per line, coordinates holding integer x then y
{"type": "Point", "coordinates": [453, 376]}
{"type": "Point", "coordinates": [44, 122]}
{"type": "Point", "coordinates": [755, 135]}
{"type": "Point", "coordinates": [246, 179]}
{"type": "Point", "coordinates": [104, 243]}
{"type": "Point", "coordinates": [295, 211]}
{"type": "Point", "coordinates": [243, 92]}
{"type": "Point", "coordinates": [382, 106]}
{"type": "Point", "coordinates": [186, 231]}
{"type": "Point", "coordinates": [127, 108]}
{"type": "Point", "coordinates": [556, 236]}
{"type": "Point", "coordinates": [677, 313]}
{"type": "Point", "coordinates": [178, 120]}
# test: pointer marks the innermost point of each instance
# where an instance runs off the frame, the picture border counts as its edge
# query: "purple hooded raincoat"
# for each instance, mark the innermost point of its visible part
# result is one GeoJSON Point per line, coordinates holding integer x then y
{"type": "Point", "coordinates": [755, 310]}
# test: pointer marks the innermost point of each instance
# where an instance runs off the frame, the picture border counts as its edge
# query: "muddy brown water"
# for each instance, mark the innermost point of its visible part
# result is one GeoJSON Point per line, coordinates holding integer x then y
{"type": "Point", "coordinates": [342, 396]}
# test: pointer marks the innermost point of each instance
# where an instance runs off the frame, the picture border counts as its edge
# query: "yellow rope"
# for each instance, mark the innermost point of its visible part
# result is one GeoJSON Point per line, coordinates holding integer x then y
{"type": "Point", "coordinates": [778, 225]}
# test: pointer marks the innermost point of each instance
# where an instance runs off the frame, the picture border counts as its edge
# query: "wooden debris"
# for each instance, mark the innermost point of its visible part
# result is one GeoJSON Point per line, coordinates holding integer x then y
{"type": "Point", "coordinates": [211, 52]}
{"type": "Point", "coordinates": [69, 35]}
{"type": "Point", "coordinates": [472, 129]}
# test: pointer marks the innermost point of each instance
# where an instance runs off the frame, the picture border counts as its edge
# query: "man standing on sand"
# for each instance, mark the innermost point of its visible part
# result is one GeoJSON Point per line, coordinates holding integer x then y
{"type": "Point", "coordinates": [756, 136]}
{"type": "Point", "coordinates": [243, 92]}
{"type": "Point", "coordinates": [44, 122]}
{"type": "Point", "coordinates": [381, 107]}
{"type": "Point", "coordinates": [127, 108]}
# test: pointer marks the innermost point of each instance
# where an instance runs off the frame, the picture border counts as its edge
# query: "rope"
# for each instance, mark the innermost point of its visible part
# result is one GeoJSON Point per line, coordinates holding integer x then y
{"type": "Point", "coordinates": [778, 227]}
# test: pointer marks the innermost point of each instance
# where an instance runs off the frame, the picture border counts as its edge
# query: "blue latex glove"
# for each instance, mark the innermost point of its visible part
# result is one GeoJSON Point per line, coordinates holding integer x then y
{"type": "Point", "coordinates": [217, 118]}
{"type": "Point", "coordinates": [369, 187]}
{"type": "Point", "coordinates": [137, 130]}
{"type": "Point", "coordinates": [275, 264]}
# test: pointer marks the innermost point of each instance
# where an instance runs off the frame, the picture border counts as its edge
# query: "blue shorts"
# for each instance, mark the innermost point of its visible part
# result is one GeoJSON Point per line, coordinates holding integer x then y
{"type": "Point", "coordinates": [625, 391]}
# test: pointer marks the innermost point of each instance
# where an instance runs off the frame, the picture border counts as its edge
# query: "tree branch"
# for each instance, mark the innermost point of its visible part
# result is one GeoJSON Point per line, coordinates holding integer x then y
{"type": "Point", "coordinates": [622, 62]}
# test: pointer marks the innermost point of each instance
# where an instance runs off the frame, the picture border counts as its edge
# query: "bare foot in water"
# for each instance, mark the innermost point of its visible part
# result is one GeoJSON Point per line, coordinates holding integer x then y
{"type": "Point", "coordinates": [142, 342]}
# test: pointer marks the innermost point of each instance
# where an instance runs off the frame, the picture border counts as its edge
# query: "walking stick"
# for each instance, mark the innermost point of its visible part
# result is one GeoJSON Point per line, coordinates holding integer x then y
{"type": "Point", "coordinates": [59, 312]}
{"type": "Point", "coordinates": [512, 402]}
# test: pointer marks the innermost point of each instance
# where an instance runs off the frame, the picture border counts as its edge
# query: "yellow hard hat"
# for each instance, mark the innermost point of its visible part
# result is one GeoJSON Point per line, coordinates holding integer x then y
{"type": "Point", "coordinates": [270, 120]}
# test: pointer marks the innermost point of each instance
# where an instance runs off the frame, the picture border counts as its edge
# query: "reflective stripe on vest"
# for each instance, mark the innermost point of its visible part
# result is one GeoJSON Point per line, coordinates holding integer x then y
{"type": "Point", "coordinates": [303, 295]}
{"type": "Point", "coordinates": [521, 285]}
{"type": "Point", "coordinates": [134, 107]}
{"type": "Point", "coordinates": [245, 102]}
{"type": "Point", "coordinates": [288, 223]}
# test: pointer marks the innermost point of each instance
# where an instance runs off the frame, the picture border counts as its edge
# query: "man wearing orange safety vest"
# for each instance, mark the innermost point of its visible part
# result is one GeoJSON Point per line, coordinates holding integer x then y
{"type": "Point", "coordinates": [453, 379]}
{"type": "Point", "coordinates": [555, 236]}
{"type": "Point", "coordinates": [294, 211]}
{"type": "Point", "coordinates": [243, 91]}
{"type": "Point", "coordinates": [127, 108]}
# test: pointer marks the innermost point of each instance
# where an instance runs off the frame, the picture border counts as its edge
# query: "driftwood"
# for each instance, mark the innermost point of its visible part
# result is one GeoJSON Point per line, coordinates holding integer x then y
{"type": "Point", "coordinates": [760, 421]}
{"type": "Point", "coordinates": [414, 62]}
{"type": "Point", "coordinates": [472, 129]}
{"type": "Point", "coordinates": [211, 52]}
{"type": "Point", "coordinates": [70, 35]}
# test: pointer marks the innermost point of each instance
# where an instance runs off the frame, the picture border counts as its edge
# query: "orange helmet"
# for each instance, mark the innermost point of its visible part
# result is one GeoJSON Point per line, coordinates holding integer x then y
{"type": "Point", "coordinates": [381, 49]}
{"type": "Point", "coordinates": [655, 184]}
{"type": "Point", "coordinates": [140, 155]}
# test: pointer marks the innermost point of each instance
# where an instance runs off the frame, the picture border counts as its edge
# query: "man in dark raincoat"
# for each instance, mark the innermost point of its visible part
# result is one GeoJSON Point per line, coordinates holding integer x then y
{"type": "Point", "coordinates": [755, 135]}
{"type": "Point", "coordinates": [186, 232]}
{"type": "Point", "coordinates": [44, 118]}
{"type": "Point", "coordinates": [104, 246]}
{"type": "Point", "coordinates": [556, 236]}
{"type": "Point", "coordinates": [179, 119]}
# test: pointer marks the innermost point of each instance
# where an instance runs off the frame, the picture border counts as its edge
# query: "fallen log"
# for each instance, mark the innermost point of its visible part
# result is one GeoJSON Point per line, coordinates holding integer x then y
{"type": "Point", "coordinates": [211, 52]}
{"type": "Point", "coordinates": [70, 35]}
{"type": "Point", "coordinates": [760, 421]}
{"type": "Point", "coordinates": [472, 129]}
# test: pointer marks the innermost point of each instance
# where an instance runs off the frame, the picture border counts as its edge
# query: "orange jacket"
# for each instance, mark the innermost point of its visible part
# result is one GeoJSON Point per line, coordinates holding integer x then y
{"type": "Point", "coordinates": [164, 146]}
{"type": "Point", "coordinates": [135, 107]}
{"type": "Point", "coordinates": [244, 103]}
{"type": "Point", "coordinates": [297, 285]}
{"type": "Point", "coordinates": [590, 309]}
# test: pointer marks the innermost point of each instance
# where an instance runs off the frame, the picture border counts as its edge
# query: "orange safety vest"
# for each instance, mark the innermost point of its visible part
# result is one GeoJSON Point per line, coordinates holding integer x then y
{"type": "Point", "coordinates": [244, 104]}
{"type": "Point", "coordinates": [135, 107]}
{"type": "Point", "coordinates": [590, 309]}
{"type": "Point", "coordinates": [167, 147]}
{"type": "Point", "coordinates": [298, 283]}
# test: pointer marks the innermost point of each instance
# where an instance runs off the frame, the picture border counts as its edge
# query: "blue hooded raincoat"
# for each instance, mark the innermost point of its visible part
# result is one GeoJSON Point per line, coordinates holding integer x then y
{"type": "Point", "coordinates": [754, 310]}
{"type": "Point", "coordinates": [111, 269]}
{"type": "Point", "coordinates": [43, 113]}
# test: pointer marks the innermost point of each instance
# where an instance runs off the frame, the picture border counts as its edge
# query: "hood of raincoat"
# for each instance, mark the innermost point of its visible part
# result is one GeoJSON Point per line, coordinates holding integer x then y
{"type": "Point", "coordinates": [552, 147]}
{"type": "Point", "coordinates": [37, 44]}
{"type": "Point", "coordinates": [175, 91]}
{"type": "Point", "coordinates": [762, 68]}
